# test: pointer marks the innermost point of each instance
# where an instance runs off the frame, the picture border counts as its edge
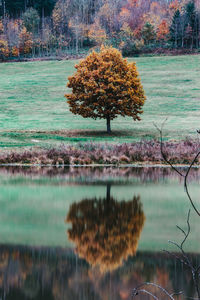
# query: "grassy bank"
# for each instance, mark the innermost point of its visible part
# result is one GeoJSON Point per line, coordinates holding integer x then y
{"type": "Point", "coordinates": [182, 152]}
{"type": "Point", "coordinates": [33, 110]}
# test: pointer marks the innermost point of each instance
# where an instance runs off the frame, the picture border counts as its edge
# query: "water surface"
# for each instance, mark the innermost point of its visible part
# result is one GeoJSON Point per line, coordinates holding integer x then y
{"type": "Point", "coordinates": [92, 233]}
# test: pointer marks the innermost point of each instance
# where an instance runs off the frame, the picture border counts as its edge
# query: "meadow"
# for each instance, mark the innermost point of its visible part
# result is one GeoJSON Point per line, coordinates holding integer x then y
{"type": "Point", "coordinates": [33, 110]}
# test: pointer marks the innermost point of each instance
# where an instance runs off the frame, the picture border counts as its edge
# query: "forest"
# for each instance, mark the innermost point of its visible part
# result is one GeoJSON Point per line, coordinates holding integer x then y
{"type": "Point", "coordinates": [37, 28]}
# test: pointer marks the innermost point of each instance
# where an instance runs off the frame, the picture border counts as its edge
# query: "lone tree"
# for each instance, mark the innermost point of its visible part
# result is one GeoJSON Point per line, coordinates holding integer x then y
{"type": "Point", "coordinates": [104, 86]}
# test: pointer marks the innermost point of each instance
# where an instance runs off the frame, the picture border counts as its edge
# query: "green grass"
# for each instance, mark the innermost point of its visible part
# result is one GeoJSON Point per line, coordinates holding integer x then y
{"type": "Point", "coordinates": [32, 103]}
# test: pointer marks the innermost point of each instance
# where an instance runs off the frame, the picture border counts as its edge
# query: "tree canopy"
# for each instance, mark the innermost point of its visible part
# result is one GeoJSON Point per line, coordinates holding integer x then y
{"type": "Point", "coordinates": [105, 86]}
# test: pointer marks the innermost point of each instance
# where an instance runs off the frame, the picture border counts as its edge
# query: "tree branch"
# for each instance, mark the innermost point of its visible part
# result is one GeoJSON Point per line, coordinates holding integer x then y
{"type": "Point", "coordinates": [139, 289]}
{"type": "Point", "coordinates": [185, 176]}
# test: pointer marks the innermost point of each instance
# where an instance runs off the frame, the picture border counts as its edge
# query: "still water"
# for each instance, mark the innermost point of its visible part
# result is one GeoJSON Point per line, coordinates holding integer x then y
{"type": "Point", "coordinates": [89, 233]}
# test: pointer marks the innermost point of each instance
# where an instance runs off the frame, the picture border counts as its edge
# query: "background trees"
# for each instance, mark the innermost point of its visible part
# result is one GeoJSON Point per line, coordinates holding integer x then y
{"type": "Point", "coordinates": [79, 24]}
{"type": "Point", "coordinates": [105, 86]}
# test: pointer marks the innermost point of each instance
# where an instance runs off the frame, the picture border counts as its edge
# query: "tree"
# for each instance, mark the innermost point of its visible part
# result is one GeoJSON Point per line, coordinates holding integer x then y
{"type": "Point", "coordinates": [176, 29]}
{"type": "Point", "coordinates": [163, 31]}
{"type": "Point", "coordinates": [4, 51]}
{"type": "Point", "coordinates": [106, 231]}
{"type": "Point", "coordinates": [108, 15]}
{"type": "Point", "coordinates": [44, 7]}
{"type": "Point", "coordinates": [1, 27]}
{"type": "Point", "coordinates": [61, 16]}
{"type": "Point", "coordinates": [25, 41]}
{"type": "Point", "coordinates": [148, 33]}
{"type": "Point", "coordinates": [31, 20]}
{"type": "Point", "coordinates": [104, 86]}
{"type": "Point", "coordinates": [97, 33]}
{"type": "Point", "coordinates": [76, 27]}
{"type": "Point", "coordinates": [192, 23]}
{"type": "Point", "coordinates": [14, 8]}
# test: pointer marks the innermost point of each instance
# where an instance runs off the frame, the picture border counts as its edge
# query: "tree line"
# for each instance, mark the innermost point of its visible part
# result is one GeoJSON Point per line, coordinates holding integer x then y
{"type": "Point", "coordinates": [49, 27]}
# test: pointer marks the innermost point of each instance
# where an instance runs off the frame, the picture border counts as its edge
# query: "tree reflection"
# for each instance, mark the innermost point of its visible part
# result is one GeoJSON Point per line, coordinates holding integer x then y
{"type": "Point", "coordinates": [106, 231]}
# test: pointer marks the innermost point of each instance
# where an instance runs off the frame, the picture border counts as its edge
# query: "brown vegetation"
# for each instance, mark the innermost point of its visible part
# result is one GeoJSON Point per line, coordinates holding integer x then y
{"type": "Point", "coordinates": [144, 152]}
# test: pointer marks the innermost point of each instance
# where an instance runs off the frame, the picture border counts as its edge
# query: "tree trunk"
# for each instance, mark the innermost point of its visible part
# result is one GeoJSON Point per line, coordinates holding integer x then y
{"type": "Point", "coordinates": [4, 10]}
{"type": "Point", "coordinates": [108, 189]}
{"type": "Point", "coordinates": [108, 125]}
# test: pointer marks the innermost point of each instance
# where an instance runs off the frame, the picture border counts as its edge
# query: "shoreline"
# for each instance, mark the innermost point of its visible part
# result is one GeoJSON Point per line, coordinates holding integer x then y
{"type": "Point", "coordinates": [136, 165]}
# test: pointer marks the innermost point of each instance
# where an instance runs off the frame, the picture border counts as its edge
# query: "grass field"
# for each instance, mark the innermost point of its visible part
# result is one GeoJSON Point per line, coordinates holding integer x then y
{"type": "Point", "coordinates": [32, 103]}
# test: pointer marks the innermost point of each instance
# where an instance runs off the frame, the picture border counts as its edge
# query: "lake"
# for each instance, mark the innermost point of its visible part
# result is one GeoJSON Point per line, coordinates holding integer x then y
{"type": "Point", "coordinates": [93, 233]}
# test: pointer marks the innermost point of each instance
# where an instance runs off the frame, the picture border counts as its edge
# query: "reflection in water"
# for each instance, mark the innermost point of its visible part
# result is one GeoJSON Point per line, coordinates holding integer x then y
{"type": "Point", "coordinates": [92, 174]}
{"type": "Point", "coordinates": [57, 274]}
{"type": "Point", "coordinates": [106, 231]}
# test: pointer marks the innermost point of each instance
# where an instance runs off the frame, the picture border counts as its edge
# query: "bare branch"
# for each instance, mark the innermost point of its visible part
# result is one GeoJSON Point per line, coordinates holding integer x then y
{"type": "Point", "coordinates": [181, 230]}
{"type": "Point", "coordinates": [177, 294]}
{"type": "Point", "coordinates": [188, 232]}
{"type": "Point", "coordinates": [185, 258]}
{"type": "Point", "coordinates": [164, 156]}
{"type": "Point", "coordinates": [162, 150]}
{"type": "Point", "coordinates": [137, 290]}
{"type": "Point", "coordinates": [145, 292]}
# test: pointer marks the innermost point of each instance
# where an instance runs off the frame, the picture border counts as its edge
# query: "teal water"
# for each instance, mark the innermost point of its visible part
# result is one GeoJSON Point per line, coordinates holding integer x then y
{"type": "Point", "coordinates": [93, 233]}
{"type": "Point", "coordinates": [34, 207]}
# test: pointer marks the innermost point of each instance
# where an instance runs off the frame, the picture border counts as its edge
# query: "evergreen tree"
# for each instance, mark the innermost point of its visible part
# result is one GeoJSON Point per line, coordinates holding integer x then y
{"type": "Point", "coordinates": [148, 33]}
{"type": "Point", "coordinates": [44, 7]}
{"type": "Point", "coordinates": [14, 8]}
{"type": "Point", "coordinates": [192, 24]}
{"type": "Point", "coordinates": [31, 20]}
{"type": "Point", "coordinates": [176, 29]}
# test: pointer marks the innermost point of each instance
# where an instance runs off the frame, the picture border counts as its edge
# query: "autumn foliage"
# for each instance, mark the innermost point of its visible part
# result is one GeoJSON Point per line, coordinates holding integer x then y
{"type": "Point", "coordinates": [4, 50]}
{"type": "Point", "coordinates": [106, 231]}
{"type": "Point", "coordinates": [105, 86]}
{"type": "Point", "coordinates": [163, 31]}
{"type": "Point", "coordinates": [25, 41]}
{"type": "Point", "coordinates": [71, 27]}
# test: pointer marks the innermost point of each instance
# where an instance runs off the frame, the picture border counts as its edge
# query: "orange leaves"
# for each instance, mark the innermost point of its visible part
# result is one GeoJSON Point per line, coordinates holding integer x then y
{"type": "Point", "coordinates": [124, 15]}
{"type": "Point", "coordinates": [97, 33]}
{"type": "Point", "coordinates": [15, 51]}
{"type": "Point", "coordinates": [105, 85]}
{"type": "Point", "coordinates": [133, 3]}
{"type": "Point", "coordinates": [1, 27]}
{"type": "Point", "coordinates": [163, 30]}
{"type": "Point", "coordinates": [175, 5]}
{"type": "Point", "coordinates": [25, 41]}
{"type": "Point", "coordinates": [4, 50]}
